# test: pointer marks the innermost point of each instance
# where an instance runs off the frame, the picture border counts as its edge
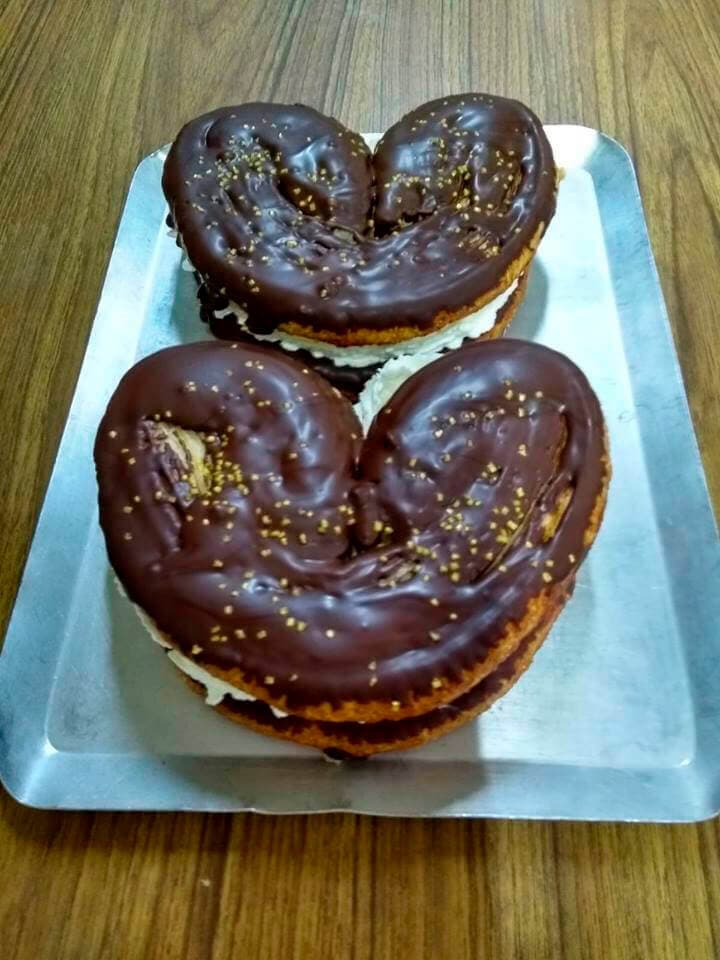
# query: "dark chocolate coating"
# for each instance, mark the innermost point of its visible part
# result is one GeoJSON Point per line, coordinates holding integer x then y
{"type": "Point", "coordinates": [287, 213]}
{"type": "Point", "coordinates": [317, 562]}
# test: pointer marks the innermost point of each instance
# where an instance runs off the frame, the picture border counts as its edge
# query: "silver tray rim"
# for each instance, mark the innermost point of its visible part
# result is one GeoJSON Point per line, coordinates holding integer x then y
{"type": "Point", "coordinates": [508, 789]}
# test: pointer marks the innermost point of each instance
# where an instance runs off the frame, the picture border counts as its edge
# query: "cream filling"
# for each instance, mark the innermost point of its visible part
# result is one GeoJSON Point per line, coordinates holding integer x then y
{"type": "Point", "coordinates": [448, 338]}
{"type": "Point", "coordinates": [215, 689]}
{"type": "Point", "coordinates": [383, 384]}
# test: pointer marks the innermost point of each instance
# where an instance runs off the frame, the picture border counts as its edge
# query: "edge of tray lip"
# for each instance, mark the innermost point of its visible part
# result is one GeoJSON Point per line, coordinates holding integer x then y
{"type": "Point", "coordinates": [27, 795]}
{"type": "Point", "coordinates": [29, 800]}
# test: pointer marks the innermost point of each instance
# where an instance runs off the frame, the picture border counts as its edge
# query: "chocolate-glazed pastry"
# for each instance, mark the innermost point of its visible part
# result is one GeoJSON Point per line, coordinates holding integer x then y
{"type": "Point", "coordinates": [290, 220]}
{"type": "Point", "coordinates": [339, 579]}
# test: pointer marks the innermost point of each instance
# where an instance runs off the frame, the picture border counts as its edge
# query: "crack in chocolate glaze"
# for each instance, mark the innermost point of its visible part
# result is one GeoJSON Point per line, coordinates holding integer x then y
{"type": "Point", "coordinates": [287, 213]}
{"type": "Point", "coordinates": [312, 566]}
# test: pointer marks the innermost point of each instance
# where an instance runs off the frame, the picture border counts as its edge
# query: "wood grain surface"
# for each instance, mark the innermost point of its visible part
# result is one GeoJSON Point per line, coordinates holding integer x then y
{"type": "Point", "coordinates": [87, 89]}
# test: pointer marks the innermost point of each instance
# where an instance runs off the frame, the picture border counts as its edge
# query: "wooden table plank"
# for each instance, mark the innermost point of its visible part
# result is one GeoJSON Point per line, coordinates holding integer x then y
{"type": "Point", "coordinates": [86, 90]}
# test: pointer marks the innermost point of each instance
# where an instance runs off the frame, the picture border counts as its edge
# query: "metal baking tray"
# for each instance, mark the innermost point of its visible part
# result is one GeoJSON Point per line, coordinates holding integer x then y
{"type": "Point", "coordinates": [619, 716]}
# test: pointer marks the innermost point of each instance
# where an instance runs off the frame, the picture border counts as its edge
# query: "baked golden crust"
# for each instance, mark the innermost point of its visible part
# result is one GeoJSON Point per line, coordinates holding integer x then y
{"type": "Point", "coordinates": [358, 336]}
{"type": "Point", "coordinates": [406, 735]}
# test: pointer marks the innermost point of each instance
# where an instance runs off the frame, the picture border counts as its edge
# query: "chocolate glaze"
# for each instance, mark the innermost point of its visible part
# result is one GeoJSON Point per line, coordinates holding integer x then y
{"type": "Point", "coordinates": [287, 535]}
{"type": "Point", "coordinates": [287, 213]}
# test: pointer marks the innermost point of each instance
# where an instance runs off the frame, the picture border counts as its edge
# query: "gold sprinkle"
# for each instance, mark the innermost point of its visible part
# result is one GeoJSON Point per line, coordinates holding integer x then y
{"type": "Point", "coordinates": [240, 634]}
{"type": "Point", "coordinates": [196, 650]}
{"type": "Point", "coordinates": [269, 681]}
{"type": "Point", "coordinates": [522, 450]}
{"type": "Point", "coordinates": [218, 564]}
{"type": "Point", "coordinates": [434, 636]}
{"type": "Point", "coordinates": [330, 633]}
{"type": "Point", "coordinates": [128, 536]}
{"type": "Point", "coordinates": [372, 665]}
{"type": "Point", "coordinates": [112, 434]}
{"type": "Point", "coordinates": [395, 704]}
{"type": "Point", "coordinates": [571, 557]}
{"type": "Point", "coordinates": [227, 610]}
{"type": "Point", "coordinates": [434, 602]}
{"type": "Point", "coordinates": [436, 683]}
{"type": "Point", "coordinates": [546, 576]}
{"type": "Point", "coordinates": [372, 681]}
{"type": "Point", "coordinates": [453, 616]}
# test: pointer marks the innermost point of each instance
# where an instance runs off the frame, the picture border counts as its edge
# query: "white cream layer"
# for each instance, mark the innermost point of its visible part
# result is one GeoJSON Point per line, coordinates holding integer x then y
{"type": "Point", "coordinates": [215, 689]}
{"type": "Point", "coordinates": [383, 384]}
{"type": "Point", "coordinates": [449, 338]}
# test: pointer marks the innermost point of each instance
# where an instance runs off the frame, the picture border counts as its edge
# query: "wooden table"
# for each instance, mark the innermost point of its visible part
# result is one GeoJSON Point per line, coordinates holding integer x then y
{"type": "Point", "coordinates": [86, 90]}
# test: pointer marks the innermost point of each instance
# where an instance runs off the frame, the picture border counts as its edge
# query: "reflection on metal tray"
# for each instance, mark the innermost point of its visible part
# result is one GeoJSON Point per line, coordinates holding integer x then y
{"type": "Point", "coordinates": [619, 716]}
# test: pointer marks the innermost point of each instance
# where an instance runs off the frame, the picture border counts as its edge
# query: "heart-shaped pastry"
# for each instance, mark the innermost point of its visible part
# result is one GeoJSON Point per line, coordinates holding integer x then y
{"type": "Point", "coordinates": [356, 593]}
{"type": "Point", "coordinates": [292, 223]}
